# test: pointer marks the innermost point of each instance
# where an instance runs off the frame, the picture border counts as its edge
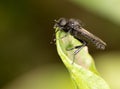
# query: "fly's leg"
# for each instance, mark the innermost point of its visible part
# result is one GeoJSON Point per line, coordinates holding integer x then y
{"type": "Point", "coordinates": [54, 39]}
{"type": "Point", "coordinates": [64, 35]}
{"type": "Point", "coordinates": [78, 48]}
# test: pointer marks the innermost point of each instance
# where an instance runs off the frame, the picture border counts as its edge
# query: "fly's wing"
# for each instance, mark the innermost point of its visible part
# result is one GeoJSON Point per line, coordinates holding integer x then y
{"type": "Point", "coordinates": [94, 39]}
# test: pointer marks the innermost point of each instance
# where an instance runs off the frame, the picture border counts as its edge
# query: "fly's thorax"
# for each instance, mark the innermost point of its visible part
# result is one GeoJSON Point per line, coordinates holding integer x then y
{"type": "Point", "coordinates": [72, 23]}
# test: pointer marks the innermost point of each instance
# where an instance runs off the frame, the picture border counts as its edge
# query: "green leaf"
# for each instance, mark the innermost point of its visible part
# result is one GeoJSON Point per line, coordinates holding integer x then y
{"type": "Point", "coordinates": [82, 71]}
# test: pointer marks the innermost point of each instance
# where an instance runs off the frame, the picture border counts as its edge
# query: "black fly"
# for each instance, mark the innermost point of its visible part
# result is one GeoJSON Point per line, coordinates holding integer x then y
{"type": "Point", "coordinates": [74, 27]}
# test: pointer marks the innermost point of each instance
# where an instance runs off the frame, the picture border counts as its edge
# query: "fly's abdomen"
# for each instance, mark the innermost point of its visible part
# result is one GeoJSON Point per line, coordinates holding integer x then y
{"type": "Point", "coordinates": [98, 43]}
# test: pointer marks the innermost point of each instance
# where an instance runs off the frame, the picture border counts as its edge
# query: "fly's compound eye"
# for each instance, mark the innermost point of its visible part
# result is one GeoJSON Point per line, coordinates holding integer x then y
{"type": "Point", "coordinates": [62, 22]}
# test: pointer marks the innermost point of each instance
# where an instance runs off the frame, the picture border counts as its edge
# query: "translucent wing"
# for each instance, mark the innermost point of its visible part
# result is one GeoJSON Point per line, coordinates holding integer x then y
{"type": "Point", "coordinates": [94, 39]}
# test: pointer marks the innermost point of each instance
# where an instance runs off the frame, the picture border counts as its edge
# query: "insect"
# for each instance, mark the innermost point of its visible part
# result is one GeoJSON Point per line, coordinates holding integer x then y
{"type": "Point", "coordinates": [73, 27]}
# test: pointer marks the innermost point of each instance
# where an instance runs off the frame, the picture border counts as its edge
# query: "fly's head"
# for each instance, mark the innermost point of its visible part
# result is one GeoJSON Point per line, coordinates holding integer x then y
{"type": "Point", "coordinates": [61, 23]}
{"type": "Point", "coordinates": [67, 24]}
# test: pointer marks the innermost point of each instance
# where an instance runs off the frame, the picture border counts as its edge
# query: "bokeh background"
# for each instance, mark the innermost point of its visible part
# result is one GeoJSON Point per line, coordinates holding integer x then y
{"type": "Point", "coordinates": [29, 61]}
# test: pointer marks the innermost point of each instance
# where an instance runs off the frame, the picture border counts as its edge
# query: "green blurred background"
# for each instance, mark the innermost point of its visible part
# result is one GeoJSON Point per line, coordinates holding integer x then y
{"type": "Point", "coordinates": [29, 61]}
